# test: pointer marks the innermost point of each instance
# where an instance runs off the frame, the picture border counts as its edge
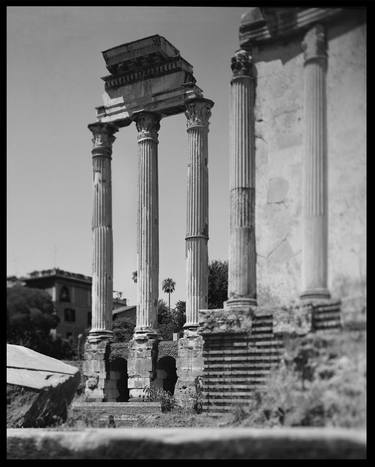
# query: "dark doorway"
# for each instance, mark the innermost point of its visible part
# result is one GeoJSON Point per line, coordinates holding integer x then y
{"type": "Point", "coordinates": [168, 365]}
{"type": "Point", "coordinates": [120, 366]}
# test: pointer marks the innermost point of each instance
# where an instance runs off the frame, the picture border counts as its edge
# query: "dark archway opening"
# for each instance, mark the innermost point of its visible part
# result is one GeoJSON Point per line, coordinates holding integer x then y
{"type": "Point", "coordinates": [120, 366]}
{"type": "Point", "coordinates": [166, 369]}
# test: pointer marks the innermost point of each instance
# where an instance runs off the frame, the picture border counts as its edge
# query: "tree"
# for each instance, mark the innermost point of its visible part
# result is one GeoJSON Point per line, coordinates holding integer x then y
{"type": "Point", "coordinates": [217, 283]}
{"type": "Point", "coordinates": [168, 286]}
{"type": "Point", "coordinates": [123, 330]}
{"type": "Point", "coordinates": [135, 276]}
{"type": "Point", "coordinates": [179, 315]}
{"type": "Point", "coordinates": [30, 318]}
{"type": "Point", "coordinates": [165, 321]}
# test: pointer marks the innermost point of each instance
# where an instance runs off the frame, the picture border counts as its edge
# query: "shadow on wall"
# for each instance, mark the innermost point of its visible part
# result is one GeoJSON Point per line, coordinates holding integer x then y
{"type": "Point", "coordinates": [166, 374]}
{"type": "Point", "coordinates": [120, 366]}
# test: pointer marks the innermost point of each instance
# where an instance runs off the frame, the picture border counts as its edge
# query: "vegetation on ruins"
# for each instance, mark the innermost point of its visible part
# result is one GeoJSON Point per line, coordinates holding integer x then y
{"type": "Point", "coordinates": [217, 283]}
{"type": "Point", "coordinates": [170, 321]}
{"type": "Point", "coordinates": [123, 329]}
{"type": "Point", "coordinates": [168, 286]}
{"type": "Point", "coordinates": [321, 381]}
{"type": "Point", "coordinates": [30, 318]}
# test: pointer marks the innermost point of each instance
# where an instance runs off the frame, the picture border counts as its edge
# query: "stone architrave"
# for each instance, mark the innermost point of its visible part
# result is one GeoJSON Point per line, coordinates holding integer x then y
{"type": "Point", "coordinates": [198, 113]}
{"type": "Point", "coordinates": [102, 265]}
{"type": "Point", "coordinates": [315, 222]}
{"type": "Point", "coordinates": [242, 253]}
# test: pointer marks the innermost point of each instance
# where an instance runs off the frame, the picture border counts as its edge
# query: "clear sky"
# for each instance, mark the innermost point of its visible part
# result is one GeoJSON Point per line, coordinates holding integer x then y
{"type": "Point", "coordinates": [54, 66]}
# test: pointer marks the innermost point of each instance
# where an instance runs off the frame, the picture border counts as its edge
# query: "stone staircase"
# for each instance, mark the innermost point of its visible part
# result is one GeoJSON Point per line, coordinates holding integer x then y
{"type": "Point", "coordinates": [236, 364]}
{"type": "Point", "coordinates": [326, 316]}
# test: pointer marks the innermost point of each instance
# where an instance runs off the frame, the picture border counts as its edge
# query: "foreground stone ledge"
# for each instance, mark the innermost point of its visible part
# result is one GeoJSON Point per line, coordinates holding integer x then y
{"type": "Point", "coordinates": [187, 443]}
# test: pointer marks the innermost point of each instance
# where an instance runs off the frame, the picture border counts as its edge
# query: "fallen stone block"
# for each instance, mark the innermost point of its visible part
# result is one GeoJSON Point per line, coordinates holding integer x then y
{"type": "Point", "coordinates": [39, 388]}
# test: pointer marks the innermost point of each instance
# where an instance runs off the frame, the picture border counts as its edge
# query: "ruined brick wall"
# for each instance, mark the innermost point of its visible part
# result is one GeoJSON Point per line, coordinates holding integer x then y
{"type": "Point", "coordinates": [279, 156]}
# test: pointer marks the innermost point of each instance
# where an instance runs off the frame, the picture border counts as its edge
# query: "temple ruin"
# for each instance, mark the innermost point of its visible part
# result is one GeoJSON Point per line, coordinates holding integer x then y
{"type": "Point", "coordinates": [290, 150]}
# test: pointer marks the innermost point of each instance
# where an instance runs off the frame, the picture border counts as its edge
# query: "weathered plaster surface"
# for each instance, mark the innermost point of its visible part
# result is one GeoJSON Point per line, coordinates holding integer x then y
{"type": "Point", "coordinates": [346, 112]}
{"type": "Point", "coordinates": [279, 130]}
{"type": "Point", "coordinates": [279, 149]}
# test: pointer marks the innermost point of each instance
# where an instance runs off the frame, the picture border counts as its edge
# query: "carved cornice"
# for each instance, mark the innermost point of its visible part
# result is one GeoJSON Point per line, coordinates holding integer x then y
{"type": "Point", "coordinates": [173, 65]}
{"type": "Point", "coordinates": [314, 44]}
{"type": "Point", "coordinates": [241, 64]}
{"type": "Point", "coordinates": [102, 138]}
{"type": "Point", "coordinates": [270, 24]}
{"type": "Point", "coordinates": [198, 113]}
{"type": "Point", "coordinates": [148, 125]}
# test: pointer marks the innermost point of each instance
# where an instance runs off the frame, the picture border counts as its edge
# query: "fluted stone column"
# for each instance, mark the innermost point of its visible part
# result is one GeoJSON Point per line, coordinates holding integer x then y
{"type": "Point", "coordinates": [148, 222]}
{"type": "Point", "coordinates": [242, 253]}
{"type": "Point", "coordinates": [102, 264]}
{"type": "Point", "coordinates": [198, 113]}
{"type": "Point", "coordinates": [190, 346]}
{"type": "Point", "coordinates": [143, 346]}
{"type": "Point", "coordinates": [96, 363]}
{"type": "Point", "coordinates": [315, 222]}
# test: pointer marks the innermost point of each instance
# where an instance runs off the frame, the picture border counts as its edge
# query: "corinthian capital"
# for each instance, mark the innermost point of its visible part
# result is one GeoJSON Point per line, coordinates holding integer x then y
{"type": "Point", "coordinates": [148, 125]}
{"type": "Point", "coordinates": [198, 112]}
{"type": "Point", "coordinates": [314, 44]}
{"type": "Point", "coordinates": [241, 63]}
{"type": "Point", "coordinates": [102, 137]}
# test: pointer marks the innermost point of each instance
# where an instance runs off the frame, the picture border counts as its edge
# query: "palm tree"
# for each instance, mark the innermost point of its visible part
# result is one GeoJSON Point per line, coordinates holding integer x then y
{"type": "Point", "coordinates": [135, 276]}
{"type": "Point", "coordinates": [168, 287]}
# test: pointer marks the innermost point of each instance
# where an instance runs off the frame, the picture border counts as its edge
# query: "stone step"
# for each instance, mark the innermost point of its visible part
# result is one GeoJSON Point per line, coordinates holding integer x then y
{"type": "Point", "coordinates": [259, 328]}
{"type": "Point", "coordinates": [229, 372]}
{"type": "Point", "coordinates": [230, 395]}
{"type": "Point", "coordinates": [266, 346]}
{"type": "Point", "coordinates": [217, 413]}
{"type": "Point", "coordinates": [237, 340]}
{"type": "Point", "coordinates": [244, 348]}
{"type": "Point", "coordinates": [245, 363]}
{"type": "Point", "coordinates": [244, 379]}
{"type": "Point", "coordinates": [326, 324]}
{"type": "Point", "coordinates": [321, 318]}
{"type": "Point", "coordinates": [230, 387]}
{"type": "Point", "coordinates": [234, 381]}
{"type": "Point", "coordinates": [116, 408]}
{"type": "Point", "coordinates": [244, 355]}
{"type": "Point", "coordinates": [221, 403]}
{"type": "Point", "coordinates": [235, 345]}
{"type": "Point", "coordinates": [328, 306]}
{"type": "Point", "coordinates": [247, 354]}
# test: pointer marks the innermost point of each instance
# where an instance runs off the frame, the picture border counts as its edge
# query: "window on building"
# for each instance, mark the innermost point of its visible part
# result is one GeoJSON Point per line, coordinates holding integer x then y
{"type": "Point", "coordinates": [69, 314]}
{"type": "Point", "coordinates": [89, 318]}
{"type": "Point", "coordinates": [64, 294]}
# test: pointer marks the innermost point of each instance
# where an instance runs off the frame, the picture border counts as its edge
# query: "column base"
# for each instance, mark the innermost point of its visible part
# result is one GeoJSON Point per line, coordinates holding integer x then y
{"type": "Point", "coordinates": [189, 369]}
{"type": "Point", "coordinates": [149, 333]}
{"type": "Point", "coordinates": [325, 313]}
{"type": "Point", "coordinates": [311, 294]}
{"type": "Point", "coordinates": [245, 304]}
{"type": "Point", "coordinates": [97, 373]}
{"type": "Point", "coordinates": [190, 327]}
{"type": "Point", "coordinates": [100, 335]}
{"type": "Point", "coordinates": [143, 351]}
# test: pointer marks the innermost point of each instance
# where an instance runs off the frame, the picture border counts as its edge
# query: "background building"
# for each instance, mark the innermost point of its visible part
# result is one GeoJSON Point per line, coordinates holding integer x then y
{"type": "Point", "coordinates": [71, 294]}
